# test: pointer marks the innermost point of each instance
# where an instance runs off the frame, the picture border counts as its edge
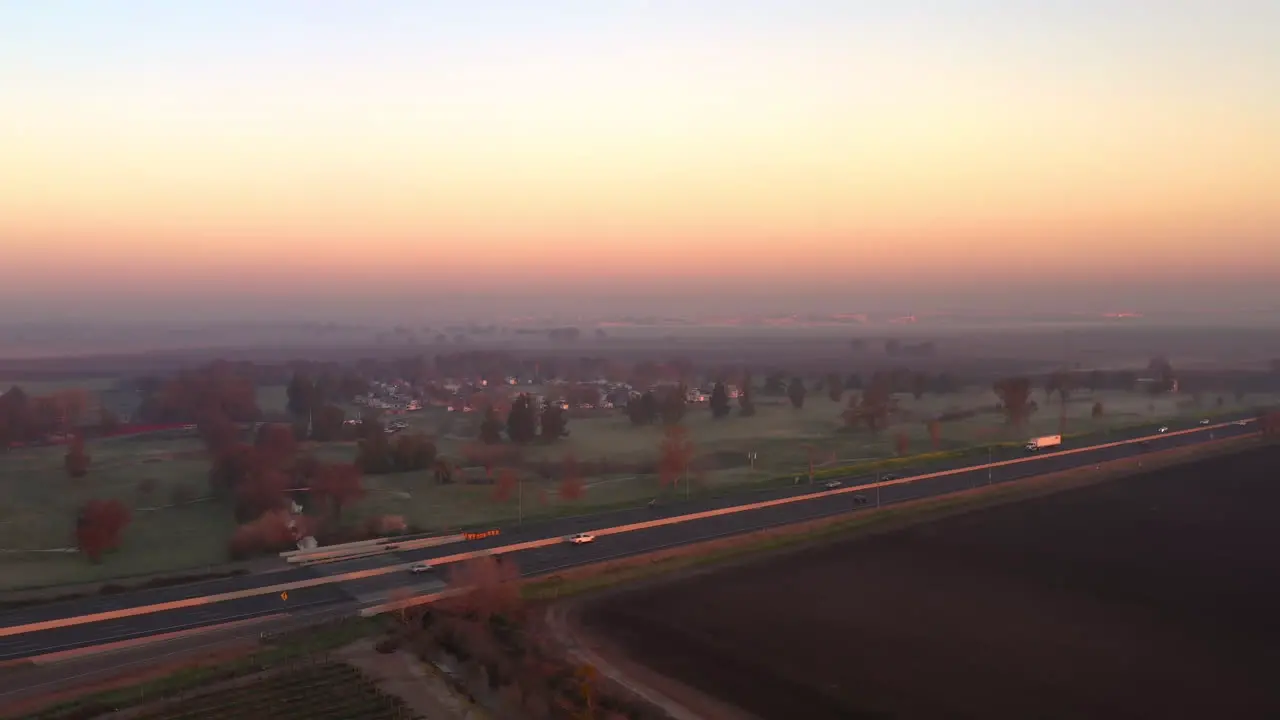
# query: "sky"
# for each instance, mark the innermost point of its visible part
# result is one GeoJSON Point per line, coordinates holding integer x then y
{"type": "Point", "coordinates": [325, 159]}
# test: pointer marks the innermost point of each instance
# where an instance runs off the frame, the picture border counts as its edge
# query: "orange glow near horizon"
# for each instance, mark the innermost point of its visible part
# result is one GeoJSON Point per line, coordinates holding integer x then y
{"type": "Point", "coordinates": [837, 164]}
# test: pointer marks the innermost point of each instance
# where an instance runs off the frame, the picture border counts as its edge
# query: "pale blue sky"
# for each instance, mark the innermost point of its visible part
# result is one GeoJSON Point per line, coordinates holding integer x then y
{"type": "Point", "coordinates": [87, 36]}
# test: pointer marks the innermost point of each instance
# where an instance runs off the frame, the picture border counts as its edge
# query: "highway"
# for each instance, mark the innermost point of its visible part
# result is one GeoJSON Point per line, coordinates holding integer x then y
{"type": "Point", "coordinates": [811, 501]}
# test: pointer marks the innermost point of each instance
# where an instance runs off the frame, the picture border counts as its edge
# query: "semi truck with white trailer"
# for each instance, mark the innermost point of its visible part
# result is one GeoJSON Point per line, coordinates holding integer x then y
{"type": "Point", "coordinates": [1043, 442]}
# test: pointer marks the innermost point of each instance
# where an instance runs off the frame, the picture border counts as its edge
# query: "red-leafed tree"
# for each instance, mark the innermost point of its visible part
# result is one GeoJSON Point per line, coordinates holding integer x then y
{"type": "Point", "coordinates": [194, 394]}
{"type": "Point", "coordinates": [935, 433]}
{"type": "Point", "coordinates": [76, 461]}
{"type": "Point", "coordinates": [874, 407]}
{"type": "Point", "coordinates": [674, 455]}
{"type": "Point", "coordinates": [489, 585]}
{"type": "Point", "coordinates": [70, 406]}
{"type": "Point", "coordinates": [901, 444]}
{"type": "Point", "coordinates": [1269, 424]}
{"type": "Point", "coordinates": [217, 431]}
{"type": "Point", "coordinates": [276, 443]}
{"type": "Point", "coordinates": [337, 486]}
{"type": "Point", "coordinates": [269, 532]}
{"type": "Point", "coordinates": [98, 527]}
{"type": "Point", "coordinates": [263, 490]}
{"type": "Point", "coordinates": [571, 486]}
{"type": "Point", "coordinates": [1015, 398]}
{"type": "Point", "coordinates": [505, 484]}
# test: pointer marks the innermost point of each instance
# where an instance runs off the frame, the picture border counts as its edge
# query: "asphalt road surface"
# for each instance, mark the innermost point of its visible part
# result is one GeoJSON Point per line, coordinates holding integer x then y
{"type": "Point", "coordinates": [549, 559]}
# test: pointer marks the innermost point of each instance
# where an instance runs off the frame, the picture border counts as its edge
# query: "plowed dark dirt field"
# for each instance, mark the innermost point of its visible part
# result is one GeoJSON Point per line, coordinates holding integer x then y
{"type": "Point", "coordinates": [1155, 596]}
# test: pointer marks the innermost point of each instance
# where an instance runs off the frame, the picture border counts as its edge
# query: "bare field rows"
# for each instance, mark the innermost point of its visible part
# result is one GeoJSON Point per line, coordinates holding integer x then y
{"type": "Point", "coordinates": [1147, 596]}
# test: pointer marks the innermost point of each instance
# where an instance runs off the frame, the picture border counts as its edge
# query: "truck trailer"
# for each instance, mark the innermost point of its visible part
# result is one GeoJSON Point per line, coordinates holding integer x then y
{"type": "Point", "coordinates": [1046, 441]}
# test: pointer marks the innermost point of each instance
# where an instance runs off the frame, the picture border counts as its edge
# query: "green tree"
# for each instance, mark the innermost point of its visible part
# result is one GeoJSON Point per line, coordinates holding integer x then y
{"type": "Point", "coordinates": [327, 422]}
{"type": "Point", "coordinates": [1097, 379]}
{"type": "Point", "coordinates": [373, 453]}
{"type": "Point", "coordinates": [719, 401]}
{"type": "Point", "coordinates": [491, 428]}
{"type": "Point", "coordinates": [796, 392]}
{"type": "Point", "coordinates": [919, 384]}
{"type": "Point", "coordinates": [643, 408]}
{"type": "Point", "coordinates": [673, 405]}
{"type": "Point", "coordinates": [301, 393]}
{"type": "Point", "coordinates": [553, 422]}
{"type": "Point", "coordinates": [413, 452]}
{"type": "Point", "coordinates": [522, 420]}
{"type": "Point", "coordinates": [835, 387]}
{"type": "Point", "coordinates": [77, 458]}
{"type": "Point", "coordinates": [746, 404]}
{"type": "Point", "coordinates": [774, 384]}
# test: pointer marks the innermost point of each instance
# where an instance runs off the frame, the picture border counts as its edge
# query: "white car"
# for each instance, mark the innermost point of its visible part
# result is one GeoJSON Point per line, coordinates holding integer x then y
{"type": "Point", "coordinates": [419, 568]}
{"type": "Point", "coordinates": [582, 538]}
{"type": "Point", "coordinates": [1204, 421]}
{"type": "Point", "coordinates": [832, 484]}
{"type": "Point", "coordinates": [1163, 428]}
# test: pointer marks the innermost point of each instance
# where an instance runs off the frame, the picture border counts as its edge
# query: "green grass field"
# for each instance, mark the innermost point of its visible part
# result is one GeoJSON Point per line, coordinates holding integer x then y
{"type": "Point", "coordinates": [38, 503]}
{"type": "Point", "coordinates": [778, 434]}
{"type": "Point", "coordinates": [38, 500]}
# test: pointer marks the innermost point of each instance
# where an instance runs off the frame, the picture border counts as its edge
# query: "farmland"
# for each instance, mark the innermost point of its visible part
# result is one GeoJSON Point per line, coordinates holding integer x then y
{"type": "Point", "coordinates": [162, 479]}
{"type": "Point", "coordinates": [1148, 596]}
{"type": "Point", "coordinates": [328, 691]}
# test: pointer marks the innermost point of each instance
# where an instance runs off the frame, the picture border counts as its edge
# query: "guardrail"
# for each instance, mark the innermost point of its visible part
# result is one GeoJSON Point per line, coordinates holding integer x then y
{"type": "Point", "coordinates": [337, 554]}
{"type": "Point", "coordinates": [546, 542]}
{"type": "Point", "coordinates": [337, 547]}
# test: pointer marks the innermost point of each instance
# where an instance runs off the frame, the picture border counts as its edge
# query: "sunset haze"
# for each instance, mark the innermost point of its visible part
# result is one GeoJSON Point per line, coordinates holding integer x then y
{"type": "Point", "coordinates": [309, 151]}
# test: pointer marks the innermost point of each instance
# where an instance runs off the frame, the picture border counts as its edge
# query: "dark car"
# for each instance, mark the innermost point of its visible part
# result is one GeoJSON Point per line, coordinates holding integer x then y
{"type": "Point", "coordinates": [859, 499]}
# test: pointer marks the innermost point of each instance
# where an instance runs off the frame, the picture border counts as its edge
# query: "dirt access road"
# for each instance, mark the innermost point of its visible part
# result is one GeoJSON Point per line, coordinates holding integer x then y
{"type": "Point", "coordinates": [1149, 596]}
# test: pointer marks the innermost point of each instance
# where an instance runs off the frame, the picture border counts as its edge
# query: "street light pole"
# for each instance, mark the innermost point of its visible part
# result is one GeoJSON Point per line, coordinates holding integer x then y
{"type": "Point", "coordinates": [520, 501]}
{"type": "Point", "coordinates": [988, 464]}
